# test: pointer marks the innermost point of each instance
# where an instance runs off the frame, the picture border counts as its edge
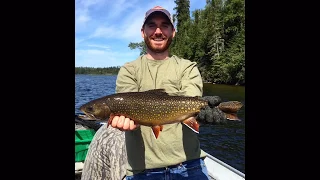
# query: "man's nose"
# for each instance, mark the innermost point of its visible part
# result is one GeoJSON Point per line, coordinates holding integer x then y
{"type": "Point", "coordinates": [158, 31]}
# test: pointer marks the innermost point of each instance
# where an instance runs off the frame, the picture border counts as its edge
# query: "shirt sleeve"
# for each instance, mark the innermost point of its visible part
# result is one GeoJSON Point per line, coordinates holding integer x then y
{"type": "Point", "coordinates": [126, 79]}
{"type": "Point", "coordinates": [106, 157]}
{"type": "Point", "coordinates": [191, 81]}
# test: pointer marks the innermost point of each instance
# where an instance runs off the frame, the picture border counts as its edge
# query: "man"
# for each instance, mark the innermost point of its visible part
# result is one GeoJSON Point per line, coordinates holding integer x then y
{"type": "Point", "coordinates": [176, 153]}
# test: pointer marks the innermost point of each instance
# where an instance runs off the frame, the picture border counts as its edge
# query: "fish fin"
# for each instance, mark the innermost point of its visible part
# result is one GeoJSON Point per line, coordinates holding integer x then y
{"type": "Point", "coordinates": [156, 130]}
{"type": "Point", "coordinates": [192, 124]}
{"type": "Point", "coordinates": [157, 91]}
{"type": "Point", "coordinates": [232, 117]}
{"type": "Point", "coordinates": [110, 119]}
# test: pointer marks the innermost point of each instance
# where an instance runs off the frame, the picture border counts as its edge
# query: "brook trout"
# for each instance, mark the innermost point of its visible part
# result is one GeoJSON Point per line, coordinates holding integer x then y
{"type": "Point", "coordinates": [152, 108]}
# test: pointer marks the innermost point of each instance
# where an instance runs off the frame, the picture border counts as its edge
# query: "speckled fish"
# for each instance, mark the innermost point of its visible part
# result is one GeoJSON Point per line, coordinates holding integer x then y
{"type": "Point", "coordinates": [152, 108]}
{"type": "Point", "coordinates": [230, 108]}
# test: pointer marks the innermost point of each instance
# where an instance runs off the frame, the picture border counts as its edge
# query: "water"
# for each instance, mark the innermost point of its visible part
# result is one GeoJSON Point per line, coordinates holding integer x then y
{"type": "Point", "coordinates": [225, 142]}
{"type": "Point", "coordinates": [89, 87]}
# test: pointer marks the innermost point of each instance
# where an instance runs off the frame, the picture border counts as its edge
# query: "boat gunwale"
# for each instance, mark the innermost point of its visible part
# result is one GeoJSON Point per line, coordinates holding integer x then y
{"type": "Point", "coordinates": [225, 165]}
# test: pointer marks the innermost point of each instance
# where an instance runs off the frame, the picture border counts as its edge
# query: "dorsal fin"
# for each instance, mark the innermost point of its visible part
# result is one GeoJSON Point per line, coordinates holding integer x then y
{"type": "Point", "coordinates": [157, 91]}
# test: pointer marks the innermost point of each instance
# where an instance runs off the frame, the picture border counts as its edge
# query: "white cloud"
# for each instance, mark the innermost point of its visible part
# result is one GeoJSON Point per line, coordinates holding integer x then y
{"type": "Point", "coordinates": [102, 58]}
{"type": "Point", "coordinates": [118, 8]}
{"type": "Point", "coordinates": [99, 46]}
{"type": "Point", "coordinates": [103, 32]}
{"type": "Point", "coordinates": [83, 13]}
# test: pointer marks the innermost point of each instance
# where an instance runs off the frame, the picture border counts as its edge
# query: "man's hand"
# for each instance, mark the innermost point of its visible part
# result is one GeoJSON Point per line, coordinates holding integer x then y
{"type": "Point", "coordinates": [123, 123]}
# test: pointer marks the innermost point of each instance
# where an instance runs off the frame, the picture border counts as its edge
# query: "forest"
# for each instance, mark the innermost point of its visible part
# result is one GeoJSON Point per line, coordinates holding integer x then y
{"type": "Point", "coordinates": [99, 71]}
{"type": "Point", "coordinates": [214, 37]}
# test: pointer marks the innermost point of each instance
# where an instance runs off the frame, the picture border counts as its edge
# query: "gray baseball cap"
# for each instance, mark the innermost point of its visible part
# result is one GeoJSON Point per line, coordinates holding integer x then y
{"type": "Point", "coordinates": [158, 9]}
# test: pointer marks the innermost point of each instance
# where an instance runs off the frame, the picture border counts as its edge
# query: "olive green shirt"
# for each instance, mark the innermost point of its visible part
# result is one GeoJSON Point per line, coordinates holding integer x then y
{"type": "Point", "coordinates": [176, 142]}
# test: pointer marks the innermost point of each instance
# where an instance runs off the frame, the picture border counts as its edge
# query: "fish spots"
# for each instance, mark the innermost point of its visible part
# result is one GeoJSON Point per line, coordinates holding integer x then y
{"type": "Point", "coordinates": [118, 98]}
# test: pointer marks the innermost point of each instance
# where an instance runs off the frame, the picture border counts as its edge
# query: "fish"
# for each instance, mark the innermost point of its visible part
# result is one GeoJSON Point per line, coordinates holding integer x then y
{"type": "Point", "coordinates": [231, 108]}
{"type": "Point", "coordinates": [153, 108]}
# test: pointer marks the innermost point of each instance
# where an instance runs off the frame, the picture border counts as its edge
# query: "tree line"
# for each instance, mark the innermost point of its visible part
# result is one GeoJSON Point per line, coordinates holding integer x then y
{"type": "Point", "coordinates": [214, 37]}
{"type": "Point", "coordinates": [101, 71]}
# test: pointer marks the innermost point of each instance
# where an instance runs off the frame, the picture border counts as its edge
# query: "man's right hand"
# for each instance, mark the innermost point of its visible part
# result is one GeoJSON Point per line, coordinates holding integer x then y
{"type": "Point", "coordinates": [123, 123]}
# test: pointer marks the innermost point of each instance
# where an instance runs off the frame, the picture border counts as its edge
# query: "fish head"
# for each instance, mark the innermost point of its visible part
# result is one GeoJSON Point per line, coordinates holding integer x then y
{"type": "Point", "coordinates": [96, 111]}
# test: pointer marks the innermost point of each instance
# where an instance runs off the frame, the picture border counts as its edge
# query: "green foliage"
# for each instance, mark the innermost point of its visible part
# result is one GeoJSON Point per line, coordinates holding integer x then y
{"type": "Point", "coordinates": [214, 37]}
{"type": "Point", "coordinates": [101, 71]}
{"type": "Point", "coordinates": [181, 43]}
{"type": "Point", "coordinates": [228, 52]}
{"type": "Point", "coordinates": [141, 46]}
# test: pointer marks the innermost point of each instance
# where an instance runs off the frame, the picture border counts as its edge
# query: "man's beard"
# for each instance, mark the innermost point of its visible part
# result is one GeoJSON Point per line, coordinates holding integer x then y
{"type": "Point", "coordinates": [157, 49]}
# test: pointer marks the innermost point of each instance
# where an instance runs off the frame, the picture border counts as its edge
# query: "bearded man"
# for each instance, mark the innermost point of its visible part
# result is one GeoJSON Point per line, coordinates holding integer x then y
{"type": "Point", "coordinates": [176, 153]}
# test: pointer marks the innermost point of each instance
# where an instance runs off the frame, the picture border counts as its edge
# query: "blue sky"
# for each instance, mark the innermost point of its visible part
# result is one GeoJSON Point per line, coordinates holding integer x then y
{"type": "Point", "coordinates": [104, 29]}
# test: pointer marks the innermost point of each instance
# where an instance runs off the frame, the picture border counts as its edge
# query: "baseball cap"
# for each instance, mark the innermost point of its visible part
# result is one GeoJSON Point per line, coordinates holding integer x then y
{"type": "Point", "coordinates": [157, 9]}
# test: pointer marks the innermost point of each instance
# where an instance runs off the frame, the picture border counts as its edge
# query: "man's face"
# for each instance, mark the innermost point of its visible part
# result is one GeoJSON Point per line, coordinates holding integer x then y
{"type": "Point", "coordinates": [158, 32]}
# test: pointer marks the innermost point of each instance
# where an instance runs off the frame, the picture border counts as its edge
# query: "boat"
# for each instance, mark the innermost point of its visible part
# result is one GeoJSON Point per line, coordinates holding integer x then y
{"type": "Point", "coordinates": [217, 169]}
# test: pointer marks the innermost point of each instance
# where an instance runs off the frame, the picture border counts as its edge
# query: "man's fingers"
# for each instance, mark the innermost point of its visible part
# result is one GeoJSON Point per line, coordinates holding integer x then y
{"type": "Point", "coordinates": [120, 122]}
{"type": "Point", "coordinates": [123, 123]}
{"type": "Point", "coordinates": [115, 121]}
{"type": "Point", "coordinates": [133, 125]}
{"type": "Point", "coordinates": [126, 124]}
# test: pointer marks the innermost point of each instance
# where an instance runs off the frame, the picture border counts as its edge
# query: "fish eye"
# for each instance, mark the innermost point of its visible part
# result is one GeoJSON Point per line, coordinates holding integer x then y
{"type": "Point", "coordinates": [90, 108]}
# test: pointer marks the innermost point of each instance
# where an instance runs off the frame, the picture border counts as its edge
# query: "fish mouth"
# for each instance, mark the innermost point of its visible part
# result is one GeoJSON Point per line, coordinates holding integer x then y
{"type": "Point", "coordinates": [89, 116]}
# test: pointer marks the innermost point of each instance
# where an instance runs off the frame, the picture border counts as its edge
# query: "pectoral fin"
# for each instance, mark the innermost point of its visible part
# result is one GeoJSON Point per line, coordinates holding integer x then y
{"type": "Point", "coordinates": [156, 130]}
{"type": "Point", "coordinates": [192, 124]}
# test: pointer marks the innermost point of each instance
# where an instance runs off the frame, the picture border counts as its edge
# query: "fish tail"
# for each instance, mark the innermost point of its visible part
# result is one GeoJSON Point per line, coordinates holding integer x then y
{"type": "Point", "coordinates": [232, 117]}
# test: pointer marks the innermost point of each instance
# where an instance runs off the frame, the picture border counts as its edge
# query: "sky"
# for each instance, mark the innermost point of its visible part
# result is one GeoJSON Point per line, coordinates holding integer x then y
{"type": "Point", "coordinates": [104, 29]}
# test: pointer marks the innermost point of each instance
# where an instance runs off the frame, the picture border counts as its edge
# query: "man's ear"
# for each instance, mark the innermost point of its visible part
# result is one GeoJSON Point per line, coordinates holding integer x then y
{"type": "Point", "coordinates": [173, 33]}
{"type": "Point", "coordinates": [142, 33]}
